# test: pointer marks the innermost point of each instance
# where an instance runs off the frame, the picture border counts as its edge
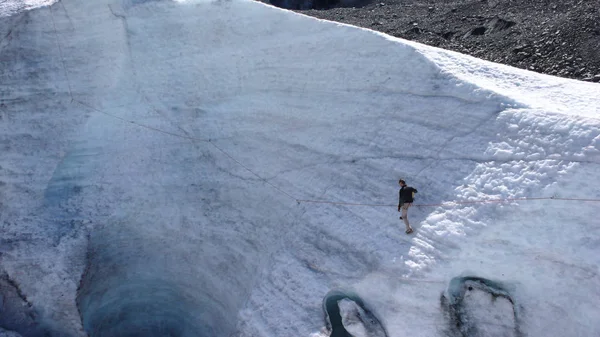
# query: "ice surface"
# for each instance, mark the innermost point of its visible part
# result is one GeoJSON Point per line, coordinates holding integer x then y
{"type": "Point", "coordinates": [12, 7]}
{"type": "Point", "coordinates": [215, 168]}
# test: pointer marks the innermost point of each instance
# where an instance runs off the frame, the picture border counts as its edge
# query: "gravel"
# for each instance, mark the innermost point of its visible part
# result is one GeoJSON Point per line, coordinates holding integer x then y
{"type": "Point", "coordinates": [560, 38]}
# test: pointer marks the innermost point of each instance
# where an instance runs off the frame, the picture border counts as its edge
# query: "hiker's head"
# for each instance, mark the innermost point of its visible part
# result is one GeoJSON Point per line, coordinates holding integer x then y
{"type": "Point", "coordinates": [402, 182]}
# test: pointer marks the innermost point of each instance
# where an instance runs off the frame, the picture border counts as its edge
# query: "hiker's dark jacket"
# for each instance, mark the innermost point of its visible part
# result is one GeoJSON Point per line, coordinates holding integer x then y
{"type": "Point", "coordinates": [406, 195]}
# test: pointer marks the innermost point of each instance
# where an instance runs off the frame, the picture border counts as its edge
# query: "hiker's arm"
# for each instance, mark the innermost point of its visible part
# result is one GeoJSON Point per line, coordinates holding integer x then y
{"type": "Point", "coordinates": [399, 202]}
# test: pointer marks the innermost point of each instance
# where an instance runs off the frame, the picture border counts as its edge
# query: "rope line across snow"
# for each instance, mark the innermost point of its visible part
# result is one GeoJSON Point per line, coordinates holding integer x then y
{"type": "Point", "coordinates": [447, 203]}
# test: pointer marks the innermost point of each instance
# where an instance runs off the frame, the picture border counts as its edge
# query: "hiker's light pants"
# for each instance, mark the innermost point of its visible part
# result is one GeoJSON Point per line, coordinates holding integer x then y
{"type": "Point", "coordinates": [405, 207]}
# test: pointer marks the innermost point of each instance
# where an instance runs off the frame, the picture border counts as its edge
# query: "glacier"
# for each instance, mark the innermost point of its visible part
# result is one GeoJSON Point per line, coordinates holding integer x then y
{"type": "Point", "coordinates": [217, 168]}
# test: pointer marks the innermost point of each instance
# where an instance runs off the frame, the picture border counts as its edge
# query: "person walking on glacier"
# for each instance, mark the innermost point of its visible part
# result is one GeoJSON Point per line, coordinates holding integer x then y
{"type": "Point", "coordinates": [405, 200]}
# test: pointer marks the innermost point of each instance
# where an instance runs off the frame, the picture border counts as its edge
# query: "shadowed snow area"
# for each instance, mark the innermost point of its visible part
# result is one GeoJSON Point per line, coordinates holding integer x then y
{"type": "Point", "coordinates": [214, 168]}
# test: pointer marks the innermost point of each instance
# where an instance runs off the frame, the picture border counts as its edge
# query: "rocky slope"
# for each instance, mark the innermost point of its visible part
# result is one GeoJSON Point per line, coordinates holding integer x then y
{"type": "Point", "coordinates": [560, 38]}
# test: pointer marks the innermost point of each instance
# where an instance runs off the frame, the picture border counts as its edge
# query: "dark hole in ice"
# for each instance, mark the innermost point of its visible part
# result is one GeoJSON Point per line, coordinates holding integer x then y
{"type": "Point", "coordinates": [465, 313]}
{"type": "Point", "coordinates": [333, 317]}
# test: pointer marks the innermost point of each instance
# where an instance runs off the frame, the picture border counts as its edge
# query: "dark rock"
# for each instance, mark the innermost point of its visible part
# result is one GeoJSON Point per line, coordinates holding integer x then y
{"type": "Point", "coordinates": [498, 24]}
{"type": "Point", "coordinates": [475, 31]}
{"type": "Point", "coordinates": [520, 48]}
{"type": "Point", "coordinates": [448, 35]}
{"type": "Point", "coordinates": [478, 31]}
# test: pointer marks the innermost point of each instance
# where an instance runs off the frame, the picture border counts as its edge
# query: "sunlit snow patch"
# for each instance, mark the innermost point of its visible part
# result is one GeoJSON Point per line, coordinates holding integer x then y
{"type": "Point", "coordinates": [12, 7]}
